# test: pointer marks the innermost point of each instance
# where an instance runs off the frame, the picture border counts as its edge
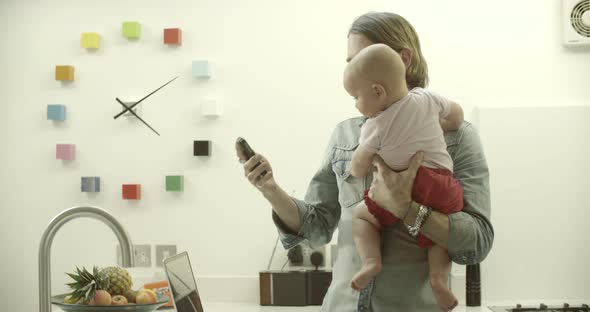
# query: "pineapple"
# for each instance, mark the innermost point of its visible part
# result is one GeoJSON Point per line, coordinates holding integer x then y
{"type": "Point", "coordinates": [86, 284]}
{"type": "Point", "coordinates": [119, 280]}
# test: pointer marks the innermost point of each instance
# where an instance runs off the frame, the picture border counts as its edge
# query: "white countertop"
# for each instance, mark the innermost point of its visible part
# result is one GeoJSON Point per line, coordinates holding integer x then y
{"type": "Point", "coordinates": [254, 307]}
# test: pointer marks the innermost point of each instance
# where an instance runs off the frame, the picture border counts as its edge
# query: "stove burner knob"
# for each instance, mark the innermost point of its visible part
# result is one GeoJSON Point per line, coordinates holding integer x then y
{"type": "Point", "coordinates": [585, 306]}
{"type": "Point", "coordinates": [542, 306]}
{"type": "Point", "coordinates": [518, 305]}
{"type": "Point", "coordinates": [566, 305]}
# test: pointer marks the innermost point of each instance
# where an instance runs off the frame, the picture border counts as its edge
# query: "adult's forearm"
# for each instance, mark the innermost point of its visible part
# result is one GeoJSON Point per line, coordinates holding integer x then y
{"type": "Point", "coordinates": [284, 207]}
{"type": "Point", "coordinates": [468, 243]}
{"type": "Point", "coordinates": [470, 237]}
{"type": "Point", "coordinates": [436, 227]}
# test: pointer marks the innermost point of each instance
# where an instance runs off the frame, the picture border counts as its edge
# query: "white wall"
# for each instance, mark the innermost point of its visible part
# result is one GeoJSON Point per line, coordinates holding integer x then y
{"type": "Point", "coordinates": [539, 181]}
{"type": "Point", "coordinates": [277, 67]}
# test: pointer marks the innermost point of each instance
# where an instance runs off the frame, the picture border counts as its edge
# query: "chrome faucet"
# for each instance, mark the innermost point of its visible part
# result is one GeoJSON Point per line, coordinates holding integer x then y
{"type": "Point", "coordinates": [47, 239]}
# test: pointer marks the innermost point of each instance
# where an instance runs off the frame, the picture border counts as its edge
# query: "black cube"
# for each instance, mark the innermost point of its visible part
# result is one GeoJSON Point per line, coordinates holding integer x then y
{"type": "Point", "coordinates": [202, 148]}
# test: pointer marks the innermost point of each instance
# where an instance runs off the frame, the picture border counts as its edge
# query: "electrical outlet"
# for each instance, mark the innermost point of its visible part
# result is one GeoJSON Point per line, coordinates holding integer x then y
{"type": "Point", "coordinates": [163, 252]}
{"type": "Point", "coordinates": [142, 255]}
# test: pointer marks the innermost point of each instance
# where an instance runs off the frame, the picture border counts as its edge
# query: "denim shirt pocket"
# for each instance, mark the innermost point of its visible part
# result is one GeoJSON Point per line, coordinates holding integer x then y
{"type": "Point", "coordinates": [350, 188]}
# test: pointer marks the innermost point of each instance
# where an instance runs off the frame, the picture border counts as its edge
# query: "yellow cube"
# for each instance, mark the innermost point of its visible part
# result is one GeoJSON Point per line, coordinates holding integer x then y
{"type": "Point", "coordinates": [90, 40]}
{"type": "Point", "coordinates": [64, 72]}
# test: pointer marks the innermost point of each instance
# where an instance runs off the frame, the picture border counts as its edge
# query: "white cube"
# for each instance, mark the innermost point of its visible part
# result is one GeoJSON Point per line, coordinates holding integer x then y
{"type": "Point", "coordinates": [211, 108]}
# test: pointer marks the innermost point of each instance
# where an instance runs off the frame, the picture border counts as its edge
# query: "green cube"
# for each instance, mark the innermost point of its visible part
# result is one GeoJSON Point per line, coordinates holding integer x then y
{"type": "Point", "coordinates": [131, 30]}
{"type": "Point", "coordinates": [174, 183]}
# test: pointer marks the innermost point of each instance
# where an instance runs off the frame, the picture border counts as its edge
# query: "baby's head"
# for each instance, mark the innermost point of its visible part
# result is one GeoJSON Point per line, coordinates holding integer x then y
{"type": "Point", "coordinates": [375, 78]}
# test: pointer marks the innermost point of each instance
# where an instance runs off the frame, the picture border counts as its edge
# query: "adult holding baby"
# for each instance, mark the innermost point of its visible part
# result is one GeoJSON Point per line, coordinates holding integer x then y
{"type": "Point", "coordinates": [403, 281]}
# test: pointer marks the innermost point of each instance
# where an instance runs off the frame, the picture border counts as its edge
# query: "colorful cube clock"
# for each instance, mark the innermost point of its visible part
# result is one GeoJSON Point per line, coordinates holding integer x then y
{"type": "Point", "coordinates": [90, 184]}
{"type": "Point", "coordinates": [64, 72]}
{"type": "Point", "coordinates": [132, 191]}
{"type": "Point", "coordinates": [175, 183]}
{"type": "Point", "coordinates": [201, 69]}
{"type": "Point", "coordinates": [90, 40]}
{"type": "Point", "coordinates": [173, 36]}
{"type": "Point", "coordinates": [131, 30]}
{"type": "Point", "coordinates": [56, 112]}
{"type": "Point", "coordinates": [65, 151]}
{"type": "Point", "coordinates": [202, 148]}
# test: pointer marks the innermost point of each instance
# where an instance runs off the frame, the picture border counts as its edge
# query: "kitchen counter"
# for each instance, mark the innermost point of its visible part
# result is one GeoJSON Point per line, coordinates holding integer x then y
{"type": "Point", "coordinates": [254, 307]}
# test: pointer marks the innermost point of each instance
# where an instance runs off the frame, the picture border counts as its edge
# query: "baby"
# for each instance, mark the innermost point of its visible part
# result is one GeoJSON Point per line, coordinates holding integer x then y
{"type": "Point", "coordinates": [401, 123]}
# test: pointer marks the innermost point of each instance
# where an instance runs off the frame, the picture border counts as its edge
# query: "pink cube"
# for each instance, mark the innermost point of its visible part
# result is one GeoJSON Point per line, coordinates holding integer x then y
{"type": "Point", "coordinates": [65, 151]}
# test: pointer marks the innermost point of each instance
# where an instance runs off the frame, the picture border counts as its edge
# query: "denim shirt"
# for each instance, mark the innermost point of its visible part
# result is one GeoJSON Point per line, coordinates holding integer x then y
{"type": "Point", "coordinates": [403, 283]}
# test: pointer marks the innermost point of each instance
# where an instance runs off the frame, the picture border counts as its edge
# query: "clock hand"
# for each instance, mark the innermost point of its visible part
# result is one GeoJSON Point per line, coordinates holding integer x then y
{"type": "Point", "coordinates": [134, 114]}
{"type": "Point", "coordinates": [145, 97]}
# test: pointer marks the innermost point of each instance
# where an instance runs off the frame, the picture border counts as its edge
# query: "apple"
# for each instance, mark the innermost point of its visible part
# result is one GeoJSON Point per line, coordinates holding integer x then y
{"type": "Point", "coordinates": [119, 300]}
{"type": "Point", "coordinates": [101, 298]}
{"type": "Point", "coordinates": [146, 296]}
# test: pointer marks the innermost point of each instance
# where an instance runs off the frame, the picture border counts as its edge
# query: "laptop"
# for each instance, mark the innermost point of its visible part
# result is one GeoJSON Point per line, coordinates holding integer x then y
{"type": "Point", "coordinates": [182, 283]}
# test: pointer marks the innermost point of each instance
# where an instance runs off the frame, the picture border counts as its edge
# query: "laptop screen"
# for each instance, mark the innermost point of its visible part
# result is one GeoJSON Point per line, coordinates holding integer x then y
{"type": "Point", "coordinates": [182, 283]}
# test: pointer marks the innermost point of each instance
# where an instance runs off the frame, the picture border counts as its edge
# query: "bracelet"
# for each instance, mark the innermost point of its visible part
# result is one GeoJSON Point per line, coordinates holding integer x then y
{"type": "Point", "coordinates": [423, 214]}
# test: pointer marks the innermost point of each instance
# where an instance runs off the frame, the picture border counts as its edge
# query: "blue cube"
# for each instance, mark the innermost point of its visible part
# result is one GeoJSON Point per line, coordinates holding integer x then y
{"type": "Point", "coordinates": [91, 184]}
{"type": "Point", "coordinates": [201, 69]}
{"type": "Point", "coordinates": [56, 112]}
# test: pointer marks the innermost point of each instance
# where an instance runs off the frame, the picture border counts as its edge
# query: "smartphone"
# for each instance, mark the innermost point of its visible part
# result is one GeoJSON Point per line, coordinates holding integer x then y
{"type": "Point", "coordinates": [245, 152]}
{"type": "Point", "coordinates": [244, 148]}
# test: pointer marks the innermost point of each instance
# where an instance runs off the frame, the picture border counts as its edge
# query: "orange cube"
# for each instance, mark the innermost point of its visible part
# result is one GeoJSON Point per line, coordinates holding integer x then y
{"type": "Point", "coordinates": [172, 36]}
{"type": "Point", "coordinates": [132, 191]}
{"type": "Point", "coordinates": [64, 72]}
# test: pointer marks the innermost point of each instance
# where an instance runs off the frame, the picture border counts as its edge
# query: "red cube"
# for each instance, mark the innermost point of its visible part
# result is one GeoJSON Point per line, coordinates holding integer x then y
{"type": "Point", "coordinates": [172, 36]}
{"type": "Point", "coordinates": [132, 191]}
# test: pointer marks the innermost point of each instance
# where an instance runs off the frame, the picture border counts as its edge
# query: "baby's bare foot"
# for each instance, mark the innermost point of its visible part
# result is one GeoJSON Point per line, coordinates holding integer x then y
{"type": "Point", "coordinates": [371, 267]}
{"type": "Point", "coordinates": [444, 297]}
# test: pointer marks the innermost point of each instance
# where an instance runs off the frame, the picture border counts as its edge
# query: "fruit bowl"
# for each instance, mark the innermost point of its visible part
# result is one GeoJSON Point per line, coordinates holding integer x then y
{"type": "Point", "coordinates": [58, 300]}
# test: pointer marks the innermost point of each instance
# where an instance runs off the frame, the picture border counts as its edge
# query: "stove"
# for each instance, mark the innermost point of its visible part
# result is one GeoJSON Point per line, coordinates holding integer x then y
{"type": "Point", "coordinates": [543, 307]}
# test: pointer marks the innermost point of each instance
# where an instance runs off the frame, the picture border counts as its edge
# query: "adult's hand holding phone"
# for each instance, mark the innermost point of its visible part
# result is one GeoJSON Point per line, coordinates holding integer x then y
{"type": "Point", "coordinates": [258, 171]}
